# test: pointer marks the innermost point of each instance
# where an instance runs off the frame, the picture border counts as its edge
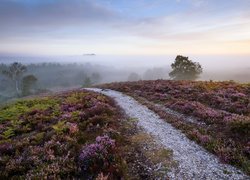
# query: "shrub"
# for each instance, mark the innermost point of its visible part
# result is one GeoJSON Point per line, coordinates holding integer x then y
{"type": "Point", "coordinates": [241, 126]}
{"type": "Point", "coordinates": [98, 156]}
{"type": "Point", "coordinates": [60, 127]}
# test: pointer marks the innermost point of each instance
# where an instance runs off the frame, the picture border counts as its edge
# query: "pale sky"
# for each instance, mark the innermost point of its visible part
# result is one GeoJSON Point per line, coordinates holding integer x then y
{"type": "Point", "coordinates": [125, 27]}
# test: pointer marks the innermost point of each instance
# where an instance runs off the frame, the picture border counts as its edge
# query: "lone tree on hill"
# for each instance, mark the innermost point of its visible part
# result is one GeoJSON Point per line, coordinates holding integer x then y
{"type": "Point", "coordinates": [185, 69]}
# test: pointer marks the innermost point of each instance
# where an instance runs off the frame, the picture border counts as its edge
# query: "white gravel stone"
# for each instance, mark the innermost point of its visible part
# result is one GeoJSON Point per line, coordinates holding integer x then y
{"type": "Point", "coordinates": [194, 162]}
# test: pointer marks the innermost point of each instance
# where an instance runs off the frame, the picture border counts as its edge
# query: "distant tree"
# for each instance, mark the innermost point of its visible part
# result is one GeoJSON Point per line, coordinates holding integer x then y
{"type": "Point", "coordinates": [3, 67]}
{"type": "Point", "coordinates": [133, 77]}
{"type": "Point", "coordinates": [95, 78]}
{"type": "Point", "coordinates": [185, 69]}
{"type": "Point", "coordinates": [15, 72]}
{"type": "Point", "coordinates": [87, 82]}
{"type": "Point", "coordinates": [27, 83]}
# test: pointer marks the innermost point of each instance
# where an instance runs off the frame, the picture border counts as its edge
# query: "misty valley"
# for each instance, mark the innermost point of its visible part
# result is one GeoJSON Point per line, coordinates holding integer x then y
{"type": "Point", "coordinates": [44, 75]}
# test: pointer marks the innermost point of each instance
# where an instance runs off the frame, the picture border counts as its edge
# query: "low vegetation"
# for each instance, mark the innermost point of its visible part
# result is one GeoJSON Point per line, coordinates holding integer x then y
{"type": "Point", "coordinates": [67, 135]}
{"type": "Point", "coordinates": [221, 111]}
{"type": "Point", "coordinates": [73, 135]}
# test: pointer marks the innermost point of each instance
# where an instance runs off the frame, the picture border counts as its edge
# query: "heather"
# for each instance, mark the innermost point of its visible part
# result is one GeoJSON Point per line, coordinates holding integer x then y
{"type": "Point", "coordinates": [68, 135]}
{"type": "Point", "coordinates": [221, 111]}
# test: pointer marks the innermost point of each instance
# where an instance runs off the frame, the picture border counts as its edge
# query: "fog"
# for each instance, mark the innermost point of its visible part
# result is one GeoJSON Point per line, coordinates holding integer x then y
{"type": "Point", "coordinates": [56, 73]}
{"type": "Point", "coordinates": [215, 67]}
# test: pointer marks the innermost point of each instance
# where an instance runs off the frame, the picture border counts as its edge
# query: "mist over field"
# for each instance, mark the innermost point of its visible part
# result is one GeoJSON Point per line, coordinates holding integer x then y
{"type": "Point", "coordinates": [57, 73]}
{"type": "Point", "coordinates": [215, 67]}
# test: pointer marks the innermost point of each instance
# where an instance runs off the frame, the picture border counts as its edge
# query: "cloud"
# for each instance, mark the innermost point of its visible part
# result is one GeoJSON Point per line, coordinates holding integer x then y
{"type": "Point", "coordinates": [105, 24]}
{"type": "Point", "coordinates": [52, 14]}
{"type": "Point", "coordinates": [209, 23]}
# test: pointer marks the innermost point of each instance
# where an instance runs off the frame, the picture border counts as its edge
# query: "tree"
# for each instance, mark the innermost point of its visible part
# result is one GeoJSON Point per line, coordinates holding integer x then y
{"type": "Point", "coordinates": [185, 69]}
{"type": "Point", "coordinates": [28, 82]}
{"type": "Point", "coordinates": [133, 77]}
{"type": "Point", "coordinates": [95, 78]}
{"type": "Point", "coordinates": [15, 72]}
{"type": "Point", "coordinates": [87, 82]}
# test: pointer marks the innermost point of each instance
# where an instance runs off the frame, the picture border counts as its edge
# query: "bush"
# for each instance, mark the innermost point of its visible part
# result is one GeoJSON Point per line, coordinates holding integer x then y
{"type": "Point", "coordinates": [241, 127]}
{"type": "Point", "coordinates": [97, 157]}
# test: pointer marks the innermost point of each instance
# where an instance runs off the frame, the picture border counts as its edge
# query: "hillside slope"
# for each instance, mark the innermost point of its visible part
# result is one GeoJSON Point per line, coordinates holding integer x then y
{"type": "Point", "coordinates": [191, 161]}
{"type": "Point", "coordinates": [66, 135]}
{"type": "Point", "coordinates": [75, 135]}
{"type": "Point", "coordinates": [83, 134]}
{"type": "Point", "coordinates": [216, 115]}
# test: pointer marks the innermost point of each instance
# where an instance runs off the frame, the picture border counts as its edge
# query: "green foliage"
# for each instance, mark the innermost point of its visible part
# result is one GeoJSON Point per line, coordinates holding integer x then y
{"type": "Point", "coordinates": [13, 111]}
{"type": "Point", "coordinates": [60, 127]}
{"type": "Point", "coordinates": [39, 137]}
{"type": "Point", "coordinates": [8, 133]}
{"type": "Point", "coordinates": [42, 138]}
{"type": "Point", "coordinates": [185, 69]}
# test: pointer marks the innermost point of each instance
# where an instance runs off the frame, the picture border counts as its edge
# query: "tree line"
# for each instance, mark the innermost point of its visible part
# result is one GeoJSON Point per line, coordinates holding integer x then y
{"type": "Point", "coordinates": [18, 80]}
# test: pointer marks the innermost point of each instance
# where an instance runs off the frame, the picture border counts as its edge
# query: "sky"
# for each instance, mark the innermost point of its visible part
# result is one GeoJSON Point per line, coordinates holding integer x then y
{"type": "Point", "coordinates": [125, 27]}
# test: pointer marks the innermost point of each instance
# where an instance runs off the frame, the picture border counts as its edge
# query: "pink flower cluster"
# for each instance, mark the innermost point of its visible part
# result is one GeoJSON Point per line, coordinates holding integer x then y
{"type": "Point", "coordinates": [71, 107]}
{"type": "Point", "coordinates": [229, 100]}
{"type": "Point", "coordinates": [73, 127]}
{"type": "Point", "coordinates": [196, 109]}
{"type": "Point", "coordinates": [97, 153]}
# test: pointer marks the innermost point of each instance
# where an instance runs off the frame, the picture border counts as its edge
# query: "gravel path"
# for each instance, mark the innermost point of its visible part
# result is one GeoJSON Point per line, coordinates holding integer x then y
{"type": "Point", "coordinates": [193, 161]}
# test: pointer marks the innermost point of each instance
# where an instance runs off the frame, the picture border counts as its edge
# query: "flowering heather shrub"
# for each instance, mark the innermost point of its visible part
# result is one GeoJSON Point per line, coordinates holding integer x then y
{"type": "Point", "coordinates": [73, 127]}
{"type": "Point", "coordinates": [233, 102]}
{"type": "Point", "coordinates": [41, 138]}
{"type": "Point", "coordinates": [223, 106]}
{"type": "Point", "coordinates": [227, 96]}
{"type": "Point", "coordinates": [225, 154]}
{"type": "Point", "coordinates": [203, 139]}
{"type": "Point", "coordinates": [240, 126]}
{"type": "Point", "coordinates": [247, 149]}
{"type": "Point", "coordinates": [66, 116]}
{"type": "Point", "coordinates": [198, 110]}
{"type": "Point", "coordinates": [6, 148]}
{"type": "Point", "coordinates": [97, 156]}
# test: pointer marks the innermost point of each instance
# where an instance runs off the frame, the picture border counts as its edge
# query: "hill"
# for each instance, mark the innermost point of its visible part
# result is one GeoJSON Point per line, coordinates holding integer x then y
{"type": "Point", "coordinates": [107, 134]}
{"type": "Point", "coordinates": [216, 115]}
{"type": "Point", "coordinates": [76, 134]}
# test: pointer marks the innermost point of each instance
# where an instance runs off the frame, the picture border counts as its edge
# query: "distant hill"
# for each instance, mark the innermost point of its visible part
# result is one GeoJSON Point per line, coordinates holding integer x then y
{"type": "Point", "coordinates": [91, 54]}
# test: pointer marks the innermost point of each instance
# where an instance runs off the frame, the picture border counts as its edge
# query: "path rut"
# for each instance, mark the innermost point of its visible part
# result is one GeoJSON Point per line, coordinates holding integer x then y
{"type": "Point", "coordinates": [194, 162]}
